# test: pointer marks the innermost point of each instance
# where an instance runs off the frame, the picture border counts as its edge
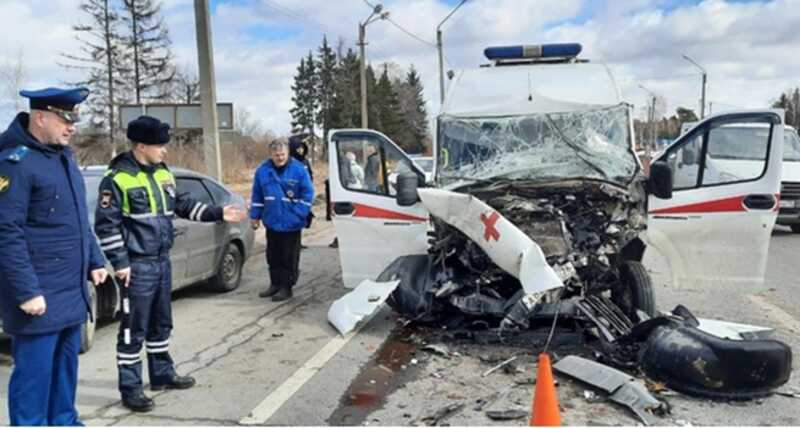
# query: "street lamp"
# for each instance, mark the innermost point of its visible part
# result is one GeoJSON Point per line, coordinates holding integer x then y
{"type": "Point", "coordinates": [705, 80]}
{"type": "Point", "coordinates": [651, 117]}
{"type": "Point", "coordinates": [377, 13]}
{"type": "Point", "coordinates": [439, 47]}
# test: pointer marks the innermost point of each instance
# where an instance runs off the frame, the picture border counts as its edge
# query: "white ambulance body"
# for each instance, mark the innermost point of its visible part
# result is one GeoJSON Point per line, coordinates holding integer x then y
{"type": "Point", "coordinates": [713, 230]}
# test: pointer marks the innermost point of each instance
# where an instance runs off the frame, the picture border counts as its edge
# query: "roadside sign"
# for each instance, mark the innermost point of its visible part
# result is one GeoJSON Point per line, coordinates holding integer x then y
{"type": "Point", "coordinates": [178, 116]}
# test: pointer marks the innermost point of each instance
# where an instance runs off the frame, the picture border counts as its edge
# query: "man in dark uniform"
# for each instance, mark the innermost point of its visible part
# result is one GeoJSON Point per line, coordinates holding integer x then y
{"type": "Point", "coordinates": [47, 254]}
{"type": "Point", "coordinates": [137, 202]}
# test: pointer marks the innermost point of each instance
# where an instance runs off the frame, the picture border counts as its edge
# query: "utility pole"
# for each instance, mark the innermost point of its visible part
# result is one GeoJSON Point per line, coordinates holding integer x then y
{"type": "Point", "coordinates": [362, 34]}
{"type": "Point", "coordinates": [208, 91]}
{"type": "Point", "coordinates": [705, 82]}
{"type": "Point", "coordinates": [439, 48]}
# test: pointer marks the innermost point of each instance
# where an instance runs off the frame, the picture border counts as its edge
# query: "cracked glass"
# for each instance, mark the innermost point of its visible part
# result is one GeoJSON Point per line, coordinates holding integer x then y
{"type": "Point", "coordinates": [589, 143]}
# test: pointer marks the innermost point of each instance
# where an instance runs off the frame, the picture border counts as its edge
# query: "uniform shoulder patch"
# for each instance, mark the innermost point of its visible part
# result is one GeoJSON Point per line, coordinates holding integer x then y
{"type": "Point", "coordinates": [5, 183]}
{"type": "Point", "coordinates": [17, 154]}
{"type": "Point", "coordinates": [105, 198]}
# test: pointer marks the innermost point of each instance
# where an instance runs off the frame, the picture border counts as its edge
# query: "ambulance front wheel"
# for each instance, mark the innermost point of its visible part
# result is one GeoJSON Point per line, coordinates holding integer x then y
{"type": "Point", "coordinates": [635, 290]}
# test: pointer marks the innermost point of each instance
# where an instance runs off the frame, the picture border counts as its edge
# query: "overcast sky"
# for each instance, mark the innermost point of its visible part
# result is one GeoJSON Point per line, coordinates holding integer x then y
{"type": "Point", "coordinates": [751, 49]}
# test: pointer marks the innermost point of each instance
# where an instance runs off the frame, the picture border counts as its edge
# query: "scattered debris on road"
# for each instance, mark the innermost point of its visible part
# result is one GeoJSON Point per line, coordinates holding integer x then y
{"type": "Point", "coordinates": [621, 387]}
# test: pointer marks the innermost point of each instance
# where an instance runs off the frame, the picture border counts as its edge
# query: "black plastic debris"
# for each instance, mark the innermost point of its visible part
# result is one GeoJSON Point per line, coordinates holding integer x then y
{"type": "Point", "coordinates": [507, 415]}
{"type": "Point", "coordinates": [694, 362]}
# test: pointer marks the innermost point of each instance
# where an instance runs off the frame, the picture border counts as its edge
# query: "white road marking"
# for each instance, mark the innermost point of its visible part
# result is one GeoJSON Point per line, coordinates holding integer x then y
{"type": "Point", "coordinates": [775, 312]}
{"type": "Point", "coordinates": [261, 414]}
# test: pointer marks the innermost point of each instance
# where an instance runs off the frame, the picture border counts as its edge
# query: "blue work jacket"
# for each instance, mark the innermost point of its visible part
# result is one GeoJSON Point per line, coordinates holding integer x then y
{"type": "Point", "coordinates": [282, 197]}
{"type": "Point", "coordinates": [47, 247]}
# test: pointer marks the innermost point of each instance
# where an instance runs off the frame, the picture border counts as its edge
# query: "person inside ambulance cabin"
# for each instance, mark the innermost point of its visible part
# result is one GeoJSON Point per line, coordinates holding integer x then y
{"type": "Point", "coordinates": [357, 173]}
{"type": "Point", "coordinates": [137, 203]}
{"type": "Point", "coordinates": [47, 254]}
{"type": "Point", "coordinates": [373, 179]}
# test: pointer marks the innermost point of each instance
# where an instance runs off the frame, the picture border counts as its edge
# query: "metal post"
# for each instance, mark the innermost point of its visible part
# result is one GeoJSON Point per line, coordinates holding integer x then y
{"type": "Point", "coordinates": [208, 93]}
{"type": "Point", "coordinates": [361, 43]}
{"type": "Point", "coordinates": [705, 80]}
{"type": "Point", "coordinates": [441, 66]}
{"type": "Point", "coordinates": [440, 48]}
{"type": "Point", "coordinates": [703, 97]}
{"type": "Point", "coordinates": [655, 125]}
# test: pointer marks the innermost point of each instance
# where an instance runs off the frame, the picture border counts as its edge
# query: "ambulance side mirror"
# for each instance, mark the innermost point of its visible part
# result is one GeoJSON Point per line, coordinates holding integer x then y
{"type": "Point", "coordinates": [659, 184]}
{"type": "Point", "coordinates": [407, 184]}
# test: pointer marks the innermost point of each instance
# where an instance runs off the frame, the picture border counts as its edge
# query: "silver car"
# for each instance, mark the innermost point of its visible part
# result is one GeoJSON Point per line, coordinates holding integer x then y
{"type": "Point", "coordinates": [210, 252]}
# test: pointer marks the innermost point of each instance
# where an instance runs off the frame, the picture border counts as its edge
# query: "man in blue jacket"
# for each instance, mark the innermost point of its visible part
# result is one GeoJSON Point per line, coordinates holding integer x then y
{"type": "Point", "coordinates": [47, 254]}
{"type": "Point", "coordinates": [281, 200]}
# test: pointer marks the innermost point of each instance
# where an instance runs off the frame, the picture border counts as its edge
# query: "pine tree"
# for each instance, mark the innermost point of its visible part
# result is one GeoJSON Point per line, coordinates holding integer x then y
{"type": "Point", "coordinates": [412, 102]}
{"type": "Point", "coordinates": [102, 57]}
{"type": "Point", "coordinates": [304, 112]}
{"type": "Point", "coordinates": [149, 47]}
{"type": "Point", "coordinates": [326, 69]}
{"type": "Point", "coordinates": [346, 84]}
{"type": "Point", "coordinates": [389, 114]}
{"type": "Point", "coordinates": [374, 100]}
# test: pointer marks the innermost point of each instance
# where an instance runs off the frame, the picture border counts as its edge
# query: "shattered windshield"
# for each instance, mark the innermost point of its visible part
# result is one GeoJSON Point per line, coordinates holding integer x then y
{"type": "Point", "coordinates": [591, 143]}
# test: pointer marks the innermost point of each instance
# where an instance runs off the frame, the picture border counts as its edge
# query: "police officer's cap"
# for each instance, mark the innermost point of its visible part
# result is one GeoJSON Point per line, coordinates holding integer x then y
{"type": "Point", "coordinates": [148, 130]}
{"type": "Point", "coordinates": [63, 102]}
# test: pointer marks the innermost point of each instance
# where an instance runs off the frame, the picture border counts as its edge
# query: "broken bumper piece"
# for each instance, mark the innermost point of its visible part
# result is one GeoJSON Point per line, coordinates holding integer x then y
{"type": "Point", "coordinates": [694, 362]}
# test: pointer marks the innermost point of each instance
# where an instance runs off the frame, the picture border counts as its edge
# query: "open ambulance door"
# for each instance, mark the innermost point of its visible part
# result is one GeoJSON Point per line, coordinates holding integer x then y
{"type": "Point", "coordinates": [373, 230]}
{"type": "Point", "coordinates": [715, 230]}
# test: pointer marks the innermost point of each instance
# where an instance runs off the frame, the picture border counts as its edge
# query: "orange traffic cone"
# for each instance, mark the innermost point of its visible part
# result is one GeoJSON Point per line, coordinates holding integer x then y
{"type": "Point", "coordinates": [545, 400]}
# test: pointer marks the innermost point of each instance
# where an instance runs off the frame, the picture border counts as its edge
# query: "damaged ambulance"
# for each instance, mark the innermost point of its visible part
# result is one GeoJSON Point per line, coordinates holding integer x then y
{"type": "Point", "coordinates": [539, 205]}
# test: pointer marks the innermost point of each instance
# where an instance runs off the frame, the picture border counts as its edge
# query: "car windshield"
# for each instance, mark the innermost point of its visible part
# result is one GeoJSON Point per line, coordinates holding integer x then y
{"type": "Point", "coordinates": [791, 146]}
{"type": "Point", "coordinates": [589, 143]}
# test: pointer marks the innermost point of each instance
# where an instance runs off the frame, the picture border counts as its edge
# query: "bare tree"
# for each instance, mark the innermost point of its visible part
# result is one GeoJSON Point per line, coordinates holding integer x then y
{"type": "Point", "coordinates": [149, 43]}
{"type": "Point", "coordinates": [246, 125]}
{"type": "Point", "coordinates": [101, 56]}
{"type": "Point", "coordinates": [187, 85]}
{"type": "Point", "coordinates": [13, 76]}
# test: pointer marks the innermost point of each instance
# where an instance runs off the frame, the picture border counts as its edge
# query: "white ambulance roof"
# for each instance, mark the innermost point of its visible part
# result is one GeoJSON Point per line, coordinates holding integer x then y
{"type": "Point", "coordinates": [505, 90]}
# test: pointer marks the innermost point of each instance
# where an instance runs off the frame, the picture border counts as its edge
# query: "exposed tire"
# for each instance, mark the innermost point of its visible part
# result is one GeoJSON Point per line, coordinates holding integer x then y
{"type": "Point", "coordinates": [635, 290]}
{"type": "Point", "coordinates": [88, 328]}
{"type": "Point", "coordinates": [229, 271]}
{"type": "Point", "coordinates": [795, 228]}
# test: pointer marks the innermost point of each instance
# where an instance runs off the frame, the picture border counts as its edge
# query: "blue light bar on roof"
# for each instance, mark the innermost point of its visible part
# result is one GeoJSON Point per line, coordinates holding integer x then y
{"type": "Point", "coordinates": [552, 50]}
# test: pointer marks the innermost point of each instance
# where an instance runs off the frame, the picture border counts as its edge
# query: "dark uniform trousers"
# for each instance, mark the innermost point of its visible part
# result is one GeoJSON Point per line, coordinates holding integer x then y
{"type": "Point", "coordinates": [44, 378]}
{"type": "Point", "coordinates": [150, 323]}
{"type": "Point", "coordinates": [283, 257]}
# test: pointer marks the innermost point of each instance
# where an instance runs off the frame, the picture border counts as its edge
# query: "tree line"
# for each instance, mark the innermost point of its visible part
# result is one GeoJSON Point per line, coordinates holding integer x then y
{"type": "Point", "coordinates": [327, 95]}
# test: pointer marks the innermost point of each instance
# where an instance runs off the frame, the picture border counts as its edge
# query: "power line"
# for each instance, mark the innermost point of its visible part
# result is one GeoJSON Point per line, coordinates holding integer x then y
{"type": "Point", "coordinates": [410, 34]}
{"type": "Point", "coordinates": [297, 16]}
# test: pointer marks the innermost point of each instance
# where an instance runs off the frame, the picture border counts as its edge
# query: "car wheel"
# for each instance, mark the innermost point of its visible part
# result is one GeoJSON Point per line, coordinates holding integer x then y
{"type": "Point", "coordinates": [88, 328]}
{"type": "Point", "coordinates": [795, 228]}
{"type": "Point", "coordinates": [229, 271]}
{"type": "Point", "coordinates": [635, 290]}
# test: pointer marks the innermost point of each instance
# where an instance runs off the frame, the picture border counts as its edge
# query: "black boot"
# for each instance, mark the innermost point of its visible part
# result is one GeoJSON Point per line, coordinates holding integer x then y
{"type": "Point", "coordinates": [177, 382]}
{"type": "Point", "coordinates": [138, 402]}
{"type": "Point", "coordinates": [285, 293]}
{"type": "Point", "coordinates": [270, 291]}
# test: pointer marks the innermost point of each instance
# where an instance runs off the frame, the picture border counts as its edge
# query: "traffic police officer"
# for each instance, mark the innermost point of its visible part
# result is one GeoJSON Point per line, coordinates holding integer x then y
{"type": "Point", "coordinates": [47, 254]}
{"type": "Point", "coordinates": [133, 221]}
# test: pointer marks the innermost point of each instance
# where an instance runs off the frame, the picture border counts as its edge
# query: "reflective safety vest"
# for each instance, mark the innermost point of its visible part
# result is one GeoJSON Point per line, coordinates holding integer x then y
{"type": "Point", "coordinates": [135, 209]}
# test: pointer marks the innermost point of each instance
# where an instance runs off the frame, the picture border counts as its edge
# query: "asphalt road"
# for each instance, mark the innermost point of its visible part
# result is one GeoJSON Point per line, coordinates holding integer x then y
{"type": "Point", "coordinates": [264, 363]}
